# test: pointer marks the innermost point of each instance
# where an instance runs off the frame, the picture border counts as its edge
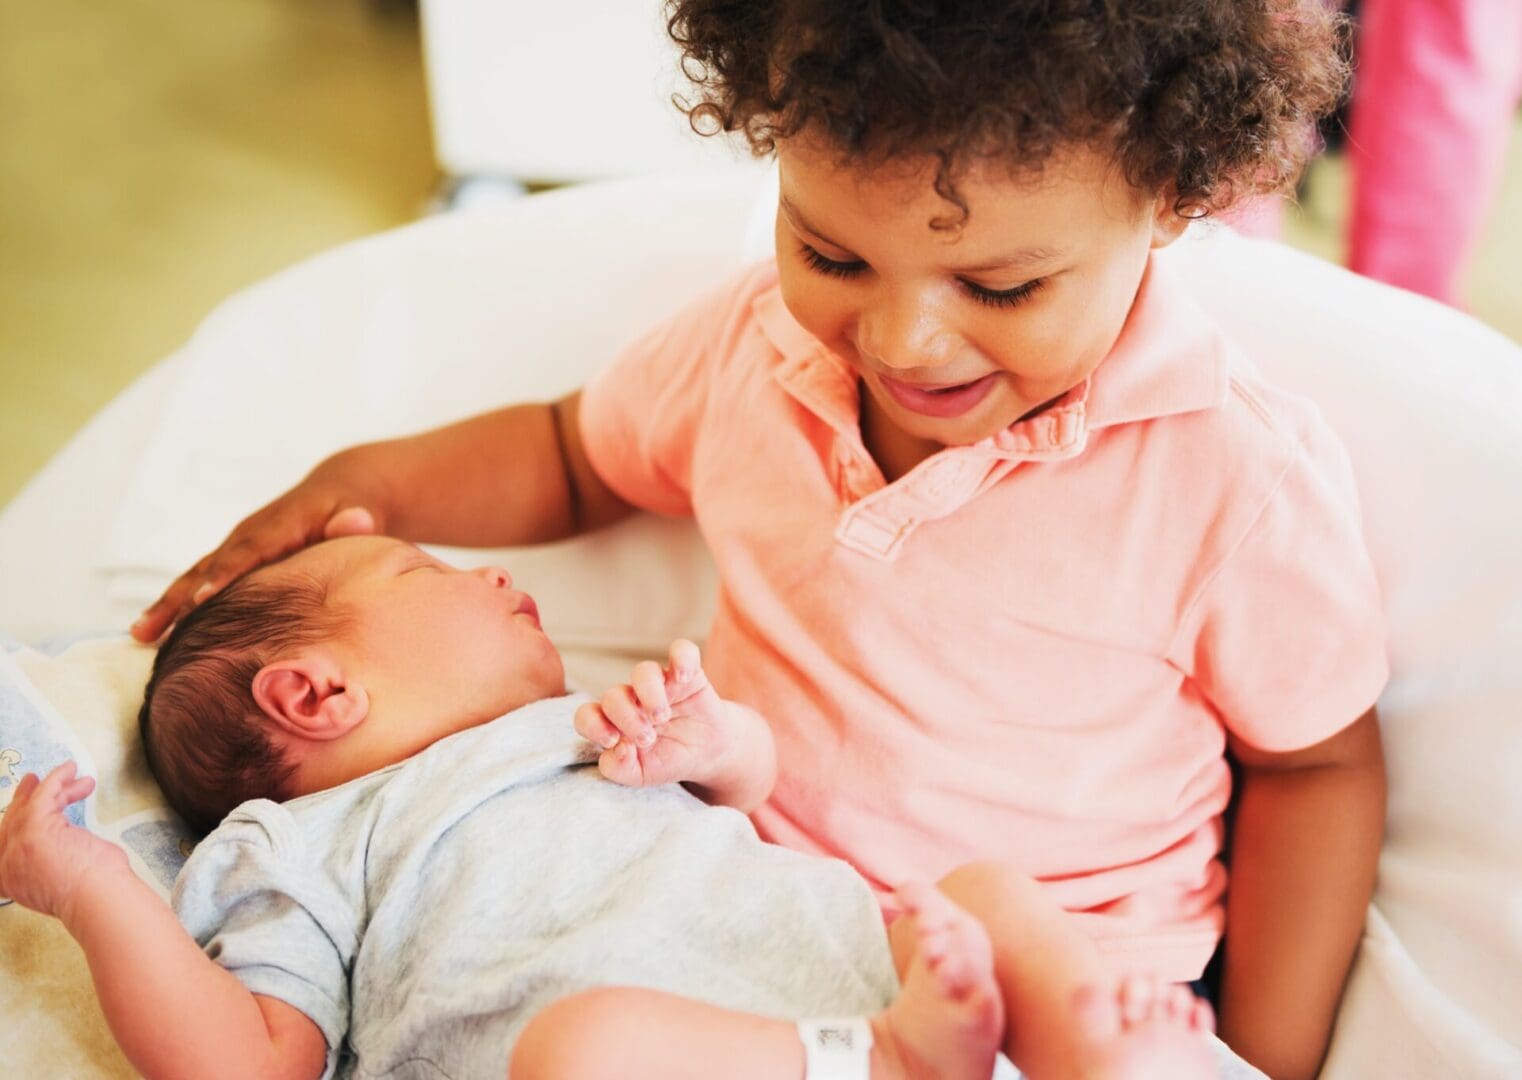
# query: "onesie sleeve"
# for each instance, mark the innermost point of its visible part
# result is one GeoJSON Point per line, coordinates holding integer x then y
{"type": "Point", "coordinates": [260, 905]}
{"type": "Point", "coordinates": [1287, 638]}
{"type": "Point", "coordinates": [640, 417]}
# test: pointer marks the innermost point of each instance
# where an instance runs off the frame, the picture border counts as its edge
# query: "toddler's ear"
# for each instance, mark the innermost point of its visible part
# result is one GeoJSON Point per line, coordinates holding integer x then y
{"type": "Point", "coordinates": [1167, 223]}
{"type": "Point", "coordinates": [308, 697]}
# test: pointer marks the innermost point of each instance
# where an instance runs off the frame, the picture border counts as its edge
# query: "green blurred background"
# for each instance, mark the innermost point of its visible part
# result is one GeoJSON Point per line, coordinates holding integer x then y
{"type": "Point", "coordinates": [160, 154]}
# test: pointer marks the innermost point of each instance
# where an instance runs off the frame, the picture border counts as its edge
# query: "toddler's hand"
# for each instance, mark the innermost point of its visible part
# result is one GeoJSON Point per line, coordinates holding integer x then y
{"type": "Point", "coordinates": [664, 726]}
{"type": "Point", "coordinates": [325, 505]}
{"type": "Point", "coordinates": [44, 859]}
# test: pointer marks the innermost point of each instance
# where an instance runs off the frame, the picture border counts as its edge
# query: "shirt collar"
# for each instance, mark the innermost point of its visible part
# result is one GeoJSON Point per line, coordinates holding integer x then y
{"type": "Point", "coordinates": [1169, 359]}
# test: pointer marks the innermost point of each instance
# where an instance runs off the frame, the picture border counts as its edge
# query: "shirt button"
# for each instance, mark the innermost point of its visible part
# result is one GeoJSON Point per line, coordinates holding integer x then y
{"type": "Point", "coordinates": [943, 478]}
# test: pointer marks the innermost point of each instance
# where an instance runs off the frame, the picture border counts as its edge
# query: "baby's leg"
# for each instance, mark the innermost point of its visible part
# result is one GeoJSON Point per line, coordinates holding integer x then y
{"type": "Point", "coordinates": [944, 1025]}
{"type": "Point", "coordinates": [1066, 1016]}
{"type": "Point", "coordinates": [624, 1033]}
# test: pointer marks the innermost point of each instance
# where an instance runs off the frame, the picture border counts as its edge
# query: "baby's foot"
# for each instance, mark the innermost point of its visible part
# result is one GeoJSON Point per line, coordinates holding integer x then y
{"type": "Point", "coordinates": [949, 1018]}
{"type": "Point", "coordinates": [1139, 1029]}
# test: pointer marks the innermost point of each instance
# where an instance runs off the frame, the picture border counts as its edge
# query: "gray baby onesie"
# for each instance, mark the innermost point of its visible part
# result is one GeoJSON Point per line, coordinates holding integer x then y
{"type": "Point", "coordinates": [422, 914]}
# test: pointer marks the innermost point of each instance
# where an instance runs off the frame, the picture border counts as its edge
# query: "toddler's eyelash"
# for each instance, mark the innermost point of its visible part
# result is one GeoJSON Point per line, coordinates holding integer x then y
{"type": "Point", "coordinates": [830, 267]}
{"type": "Point", "coordinates": [1004, 298]}
{"type": "Point", "coordinates": [997, 298]}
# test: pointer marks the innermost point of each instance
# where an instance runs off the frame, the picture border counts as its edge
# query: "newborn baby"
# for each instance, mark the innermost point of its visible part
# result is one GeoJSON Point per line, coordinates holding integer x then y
{"type": "Point", "coordinates": [417, 848]}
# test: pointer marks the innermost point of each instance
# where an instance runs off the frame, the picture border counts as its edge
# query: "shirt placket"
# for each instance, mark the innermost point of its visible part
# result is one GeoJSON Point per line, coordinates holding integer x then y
{"type": "Point", "coordinates": [880, 517]}
{"type": "Point", "coordinates": [878, 524]}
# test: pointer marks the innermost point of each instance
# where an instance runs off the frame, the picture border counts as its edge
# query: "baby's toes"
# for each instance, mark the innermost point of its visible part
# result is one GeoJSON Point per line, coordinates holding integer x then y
{"type": "Point", "coordinates": [954, 969]}
{"type": "Point", "coordinates": [1176, 1003]}
{"type": "Point", "coordinates": [1138, 999]}
{"type": "Point", "coordinates": [1202, 1016]}
{"type": "Point", "coordinates": [925, 902]}
{"type": "Point", "coordinates": [1096, 1010]}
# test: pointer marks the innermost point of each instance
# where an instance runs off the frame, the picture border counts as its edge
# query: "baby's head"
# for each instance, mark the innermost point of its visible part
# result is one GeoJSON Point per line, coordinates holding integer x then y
{"type": "Point", "coordinates": [973, 189]}
{"type": "Point", "coordinates": [343, 658]}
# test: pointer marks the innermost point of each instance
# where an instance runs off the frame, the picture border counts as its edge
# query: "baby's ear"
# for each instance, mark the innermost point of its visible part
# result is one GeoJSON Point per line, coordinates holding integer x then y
{"type": "Point", "coordinates": [308, 697]}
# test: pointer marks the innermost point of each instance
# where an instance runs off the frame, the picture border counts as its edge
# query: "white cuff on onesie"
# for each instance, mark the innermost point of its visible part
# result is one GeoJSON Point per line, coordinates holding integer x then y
{"type": "Point", "coordinates": [836, 1049]}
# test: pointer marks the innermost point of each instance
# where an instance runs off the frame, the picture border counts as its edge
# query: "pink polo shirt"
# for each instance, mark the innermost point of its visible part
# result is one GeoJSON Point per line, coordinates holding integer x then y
{"type": "Point", "coordinates": [1029, 649]}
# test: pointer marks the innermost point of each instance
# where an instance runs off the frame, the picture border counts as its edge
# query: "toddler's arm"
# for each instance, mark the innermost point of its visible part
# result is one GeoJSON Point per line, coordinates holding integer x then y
{"type": "Point", "coordinates": [1305, 849]}
{"type": "Point", "coordinates": [670, 726]}
{"type": "Point", "coordinates": [174, 1012]}
{"type": "Point", "coordinates": [514, 476]}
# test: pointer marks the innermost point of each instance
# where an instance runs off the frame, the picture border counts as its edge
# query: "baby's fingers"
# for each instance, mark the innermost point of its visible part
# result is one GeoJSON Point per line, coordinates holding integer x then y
{"type": "Point", "coordinates": [77, 789]}
{"type": "Point", "coordinates": [63, 786]}
{"type": "Point", "coordinates": [24, 789]}
{"type": "Point", "coordinates": [686, 661]}
{"type": "Point", "coordinates": [649, 684]}
{"type": "Point", "coordinates": [60, 777]}
{"type": "Point", "coordinates": [594, 727]}
{"type": "Point", "coordinates": [621, 765]}
{"type": "Point", "coordinates": [623, 711]}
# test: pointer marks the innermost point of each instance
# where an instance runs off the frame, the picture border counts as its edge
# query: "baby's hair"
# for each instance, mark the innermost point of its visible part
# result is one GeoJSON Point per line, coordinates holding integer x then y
{"type": "Point", "coordinates": [1214, 100]}
{"type": "Point", "coordinates": [204, 736]}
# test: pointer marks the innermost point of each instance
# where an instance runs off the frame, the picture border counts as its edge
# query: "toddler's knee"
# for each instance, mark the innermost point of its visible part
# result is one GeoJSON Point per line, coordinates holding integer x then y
{"type": "Point", "coordinates": [555, 1044]}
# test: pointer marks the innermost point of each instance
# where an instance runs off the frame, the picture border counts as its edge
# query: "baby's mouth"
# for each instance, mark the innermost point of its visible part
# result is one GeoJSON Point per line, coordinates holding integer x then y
{"type": "Point", "coordinates": [526, 606]}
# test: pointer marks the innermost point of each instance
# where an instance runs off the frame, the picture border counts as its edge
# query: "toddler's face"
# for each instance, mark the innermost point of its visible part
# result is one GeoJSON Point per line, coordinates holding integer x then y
{"type": "Point", "coordinates": [438, 649]}
{"type": "Point", "coordinates": [959, 333]}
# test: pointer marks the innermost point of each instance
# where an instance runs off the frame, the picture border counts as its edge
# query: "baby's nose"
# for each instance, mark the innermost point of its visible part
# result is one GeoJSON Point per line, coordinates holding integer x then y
{"type": "Point", "coordinates": [497, 576]}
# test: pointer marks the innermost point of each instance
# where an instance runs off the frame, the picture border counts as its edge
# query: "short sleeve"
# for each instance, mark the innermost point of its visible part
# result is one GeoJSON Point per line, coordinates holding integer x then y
{"type": "Point", "coordinates": [260, 907]}
{"type": "Point", "coordinates": [1287, 638]}
{"type": "Point", "coordinates": [640, 416]}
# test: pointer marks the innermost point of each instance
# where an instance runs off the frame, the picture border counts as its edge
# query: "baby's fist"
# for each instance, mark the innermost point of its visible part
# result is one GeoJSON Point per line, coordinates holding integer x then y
{"type": "Point", "coordinates": [666, 725]}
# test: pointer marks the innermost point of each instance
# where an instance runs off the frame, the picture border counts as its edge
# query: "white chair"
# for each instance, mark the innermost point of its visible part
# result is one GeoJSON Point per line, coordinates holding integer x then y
{"type": "Point", "coordinates": [510, 102]}
{"type": "Point", "coordinates": [456, 314]}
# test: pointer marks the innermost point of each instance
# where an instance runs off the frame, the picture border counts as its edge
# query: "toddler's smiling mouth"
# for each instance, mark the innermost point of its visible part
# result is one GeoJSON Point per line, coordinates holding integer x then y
{"type": "Point", "coordinates": [945, 400]}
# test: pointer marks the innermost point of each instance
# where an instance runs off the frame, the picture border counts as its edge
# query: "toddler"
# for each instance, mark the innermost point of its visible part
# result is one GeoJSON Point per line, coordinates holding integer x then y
{"type": "Point", "coordinates": [428, 856]}
{"type": "Point", "coordinates": [1014, 544]}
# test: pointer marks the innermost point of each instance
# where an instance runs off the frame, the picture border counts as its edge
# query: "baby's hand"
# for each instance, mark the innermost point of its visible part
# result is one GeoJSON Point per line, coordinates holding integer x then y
{"type": "Point", "coordinates": [44, 859]}
{"type": "Point", "coordinates": [665, 726]}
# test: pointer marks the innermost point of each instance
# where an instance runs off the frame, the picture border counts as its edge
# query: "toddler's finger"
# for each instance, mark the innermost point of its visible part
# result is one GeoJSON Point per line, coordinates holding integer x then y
{"type": "Point", "coordinates": [154, 619]}
{"type": "Point", "coordinates": [232, 561]}
{"type": "Point", "coordinates": [163, 612]}
{"type": "Point", "coordinates": [593, 726]}
{"type": "Point", "coordinates": [649, 684]}
{"type": "Point", "coordinates": [350, 521]}
{"type": "Point", "coordinates": [624, 713]}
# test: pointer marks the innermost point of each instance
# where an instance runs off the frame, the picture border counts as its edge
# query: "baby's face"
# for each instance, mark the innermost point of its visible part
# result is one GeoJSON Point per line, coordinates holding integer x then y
{"type": "Point", "coordinates": [437, 649]}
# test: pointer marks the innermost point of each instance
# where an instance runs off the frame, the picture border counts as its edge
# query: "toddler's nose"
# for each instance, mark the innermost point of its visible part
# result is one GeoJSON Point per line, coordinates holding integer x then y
{"type": "Point", "coordinates": [905, 334]}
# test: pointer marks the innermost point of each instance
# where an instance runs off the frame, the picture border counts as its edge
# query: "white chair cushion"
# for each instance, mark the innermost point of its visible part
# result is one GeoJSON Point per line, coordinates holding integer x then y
{"type": "Point", "coordinates": [455, 315]}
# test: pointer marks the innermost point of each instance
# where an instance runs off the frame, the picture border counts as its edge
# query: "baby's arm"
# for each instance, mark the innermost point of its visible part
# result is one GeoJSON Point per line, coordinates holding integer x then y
{"type": "Point", "coordinates": [670, 726]}
{"type": "Point", "coordinates": [174, 1012]}
{"type": "Point", "coordinates": [1304, 853]}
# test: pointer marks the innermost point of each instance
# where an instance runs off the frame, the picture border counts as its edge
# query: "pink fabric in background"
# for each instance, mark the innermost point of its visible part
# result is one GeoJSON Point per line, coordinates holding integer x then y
{"type": "Point", "coordinates": [1437, 82]}
{"type": "Point", "coordinates": [1432, 108]}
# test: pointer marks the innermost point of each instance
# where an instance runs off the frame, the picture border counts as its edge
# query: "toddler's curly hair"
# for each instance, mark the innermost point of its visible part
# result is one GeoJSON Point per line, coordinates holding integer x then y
{"type": "Point", "coordinates": [1212, 100]}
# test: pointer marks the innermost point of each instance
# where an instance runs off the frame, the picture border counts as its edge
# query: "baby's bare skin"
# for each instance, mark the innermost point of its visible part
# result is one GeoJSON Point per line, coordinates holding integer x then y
{"type": "Point", "coordinates": [949, 1020]}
